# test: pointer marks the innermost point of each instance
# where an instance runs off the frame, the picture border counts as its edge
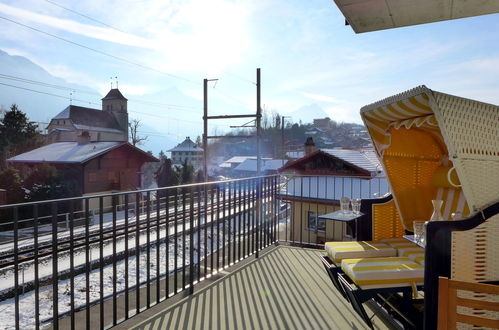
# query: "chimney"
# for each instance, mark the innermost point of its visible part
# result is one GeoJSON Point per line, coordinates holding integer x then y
{"type": "Point", "coordinates": [84, 138]}
{"type": "Point", "coordinates": [309, 146]}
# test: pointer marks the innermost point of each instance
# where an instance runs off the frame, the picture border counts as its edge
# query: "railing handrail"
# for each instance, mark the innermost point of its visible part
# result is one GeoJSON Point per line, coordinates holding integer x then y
{"type": "Point", "coordinates": [120, 193]}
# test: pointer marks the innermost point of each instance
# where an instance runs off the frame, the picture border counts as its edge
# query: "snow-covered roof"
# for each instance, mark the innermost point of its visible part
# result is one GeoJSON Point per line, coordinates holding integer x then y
{"type": "Point", "coordinates": [239, 159]}
{"type": "Point", "coordinates": [66, 152]}
{"type": "Point", "coordinates": [97, 119]}
{"type": "Point", "coordinates": [187, 145]}
{"type": "Point", "coordinates": [364, 158]}
{"type": "Point", "coordinates": [249, 165]}
{"type": "Point", "coordinates": [100, 129]}
{"type": "Point", "coordinates": [334, 187]}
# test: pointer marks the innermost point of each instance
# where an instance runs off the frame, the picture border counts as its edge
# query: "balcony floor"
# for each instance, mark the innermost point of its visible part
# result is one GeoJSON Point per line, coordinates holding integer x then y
{"type": "Point", "coordinates": [286, 288]}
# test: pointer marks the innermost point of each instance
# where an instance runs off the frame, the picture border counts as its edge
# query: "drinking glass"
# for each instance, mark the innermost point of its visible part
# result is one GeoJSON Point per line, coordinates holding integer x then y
{"type": "Point", "coordinates": [356, 205]}
{"type": "Point", "coordinates": [419, 228]}
{"type": "Point", "coordinates": [345, 204]}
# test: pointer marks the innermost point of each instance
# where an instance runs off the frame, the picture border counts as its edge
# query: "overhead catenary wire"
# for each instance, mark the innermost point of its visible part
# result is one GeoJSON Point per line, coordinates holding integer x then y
{"type": "Point", "coordinates": [85, 16]}
{"type": "Point", "coordinates": [122, 31]}
{"type": "Point", "coordinates": [143, 66]}
{"type": "Point", "coordinates": [98, 104]}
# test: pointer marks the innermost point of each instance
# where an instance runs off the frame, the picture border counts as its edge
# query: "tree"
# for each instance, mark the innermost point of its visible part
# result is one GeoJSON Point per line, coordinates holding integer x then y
{"type": "Point", "coordinates": [165, 175]}
{"type": "Point", "coordinates": [10, 180]}
{"type": "Point", "coordinates": [134, 137]}
{"type": "Point", "coordinates": [186, 174]}
{"type": "Point", "coordinates": [17, 134]}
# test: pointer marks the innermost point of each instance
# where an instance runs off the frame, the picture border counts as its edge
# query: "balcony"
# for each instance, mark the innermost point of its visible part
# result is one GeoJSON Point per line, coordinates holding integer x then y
{"type": "Point", "coordinates": [285, 288]}
{"type": "Point", "coordinates": [179, 251]}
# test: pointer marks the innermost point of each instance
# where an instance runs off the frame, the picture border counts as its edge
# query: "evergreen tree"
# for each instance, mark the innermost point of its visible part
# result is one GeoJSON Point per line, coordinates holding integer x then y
{"type": "Point", "coordinates": [10, 180]}
{"type": "Point", "coordinates": [165, 175]}
{"type": "Point", "coordinates": [17, 134]}
{"type": "Point", "coordinates": [186, 173]}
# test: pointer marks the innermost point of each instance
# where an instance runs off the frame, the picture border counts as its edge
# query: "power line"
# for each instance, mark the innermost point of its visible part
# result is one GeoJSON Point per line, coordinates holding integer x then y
{"type": "Point", "coordinates": [85, 16]}
{"type": "Point", "coordinates": [44, 84]}
{"type": "Point", "coordinates": [101, 52]}
{"type": "Point", "coordinates": [50, 94]}
{"type": "Point", "coordinates": [88, 102]}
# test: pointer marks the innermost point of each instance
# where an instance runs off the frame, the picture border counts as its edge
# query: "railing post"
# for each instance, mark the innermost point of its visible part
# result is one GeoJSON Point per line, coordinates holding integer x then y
{"type": "Point", "coordinates": [191, 243]}
{"type": "Point", "coordinates": [258, 216]}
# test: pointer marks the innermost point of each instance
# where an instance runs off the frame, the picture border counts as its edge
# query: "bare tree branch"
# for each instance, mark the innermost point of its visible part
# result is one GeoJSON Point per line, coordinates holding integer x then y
{"type": "Point", "coordinates": [134, 125]}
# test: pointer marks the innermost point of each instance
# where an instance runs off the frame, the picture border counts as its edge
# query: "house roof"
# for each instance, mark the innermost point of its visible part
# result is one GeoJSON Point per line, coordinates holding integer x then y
{"type": "Point", "coordinates": [187, 145]}
{"type": "Point", "coordinates": [249, 165]}
{"type": "Point", "coordinates": [87, 117]}
{"type": "Point", "coordinates": [114, 94]}
{"type": "Point", "coordinates": [364, 160]}
{"type": "Point", "coordinates": [374, 15]}
{"type": "Point", "coordinates": [72, 152]}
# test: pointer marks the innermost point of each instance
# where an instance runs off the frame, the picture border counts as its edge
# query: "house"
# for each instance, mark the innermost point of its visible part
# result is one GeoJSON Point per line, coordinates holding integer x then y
{"type": "Point", "coordinates": [323, 123]}
{"type": "Point", "coordinates": [97, 167]}
{"type": "Point", "coordinates": [248, 167]}
{"type": "Point", "coordinates": [108, 124]}
{"type": "Point", "coordinates": [187, 151]}
{"type": "Point", "coordinates": [317, 181]}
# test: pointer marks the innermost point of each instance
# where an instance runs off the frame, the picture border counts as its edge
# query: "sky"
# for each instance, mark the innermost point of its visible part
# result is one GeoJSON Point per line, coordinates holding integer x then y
{"type": "Point", "coordinates": [306, 53]}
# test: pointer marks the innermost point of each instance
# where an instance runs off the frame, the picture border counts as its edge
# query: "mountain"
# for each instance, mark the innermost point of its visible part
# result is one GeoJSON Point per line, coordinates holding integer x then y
{"type": "Point", "coordinates": [308, 113]}
{"type": "Point", "coordinates": [35, 101]}
{"type": "Point", "coordinates": [40, 107]}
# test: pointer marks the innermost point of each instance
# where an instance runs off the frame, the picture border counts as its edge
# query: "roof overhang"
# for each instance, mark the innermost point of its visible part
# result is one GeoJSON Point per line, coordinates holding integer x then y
{"type": "Point", "coordinates": [374, 15]}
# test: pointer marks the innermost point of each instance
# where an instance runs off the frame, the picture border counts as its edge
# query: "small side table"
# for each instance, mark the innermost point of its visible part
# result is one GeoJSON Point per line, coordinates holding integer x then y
{"type": "Point", "coordinates": [344, 217]}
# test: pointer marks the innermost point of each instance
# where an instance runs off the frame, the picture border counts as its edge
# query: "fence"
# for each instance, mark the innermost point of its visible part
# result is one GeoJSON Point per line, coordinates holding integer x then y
{"type": "Point", "coordinates": [109, 264]}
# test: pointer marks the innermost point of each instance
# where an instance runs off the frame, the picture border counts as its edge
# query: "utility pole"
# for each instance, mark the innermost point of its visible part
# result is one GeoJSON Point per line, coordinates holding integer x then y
{"type": "Point", "coordinates": [283, 152]}
{"type": "Point", "coordinates": [258, 123]}
{"type": "Point", "coordinates": [205, 129]}
{"type": "Point", "coordinates": [258, 160]}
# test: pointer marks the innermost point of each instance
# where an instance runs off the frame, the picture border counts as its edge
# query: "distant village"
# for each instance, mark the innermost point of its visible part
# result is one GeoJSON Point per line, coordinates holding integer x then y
{"type": "Point", "coordinates": [85, 151]}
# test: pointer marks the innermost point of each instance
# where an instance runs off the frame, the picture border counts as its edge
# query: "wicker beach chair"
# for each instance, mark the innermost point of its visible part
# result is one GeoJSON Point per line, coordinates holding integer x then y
{"type": "Point", "coordinates": [438, 146]}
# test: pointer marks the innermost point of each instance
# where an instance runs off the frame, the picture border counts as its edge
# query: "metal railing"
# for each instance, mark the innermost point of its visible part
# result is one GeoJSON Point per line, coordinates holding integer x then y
{"type": "Point", "coordinates": [108, 264]}
{"type": "Point", "coordinates": [303, 198]}
{"type": "Point", "coordinates": [108, 257]}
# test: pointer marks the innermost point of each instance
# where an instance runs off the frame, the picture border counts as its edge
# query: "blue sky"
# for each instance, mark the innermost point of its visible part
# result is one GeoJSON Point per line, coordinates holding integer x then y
{"type": "Point", "coordinates": [306, 53]}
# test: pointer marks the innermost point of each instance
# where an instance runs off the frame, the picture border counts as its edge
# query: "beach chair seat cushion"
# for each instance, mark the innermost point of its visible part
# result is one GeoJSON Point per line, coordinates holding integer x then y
{"type": "Point", "coordinates": [375, 273]}
{"type": "Point", "coordinates": [338, 251]}
{"type": "Point", "coordinates": [415, 254]}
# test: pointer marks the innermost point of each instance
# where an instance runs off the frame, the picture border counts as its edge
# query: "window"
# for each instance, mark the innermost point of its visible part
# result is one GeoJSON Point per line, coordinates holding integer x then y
{"type": "Point", "coordinates": [315, 224]}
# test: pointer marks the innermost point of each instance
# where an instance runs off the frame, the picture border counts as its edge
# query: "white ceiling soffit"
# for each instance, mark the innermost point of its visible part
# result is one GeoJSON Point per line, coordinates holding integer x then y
{"type": "Point", "coordinates": [374, 15]}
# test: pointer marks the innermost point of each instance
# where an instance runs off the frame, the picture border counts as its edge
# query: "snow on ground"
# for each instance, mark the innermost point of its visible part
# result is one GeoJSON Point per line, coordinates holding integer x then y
{"type": "Point", "coordinates": [27, 300]}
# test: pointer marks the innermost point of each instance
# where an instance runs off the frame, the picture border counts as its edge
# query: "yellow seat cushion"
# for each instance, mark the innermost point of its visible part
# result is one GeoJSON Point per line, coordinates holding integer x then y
{"type": "Point", "coordinates": [416, 255]}
{"type": "Point", "coordinates": [370, 273]}
{"type": "Point", "coordinates": [338, 251]}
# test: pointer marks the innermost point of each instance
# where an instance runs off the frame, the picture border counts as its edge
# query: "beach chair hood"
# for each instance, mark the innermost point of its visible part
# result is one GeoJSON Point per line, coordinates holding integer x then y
{"type": "Point", "coordinates": [436, 146]}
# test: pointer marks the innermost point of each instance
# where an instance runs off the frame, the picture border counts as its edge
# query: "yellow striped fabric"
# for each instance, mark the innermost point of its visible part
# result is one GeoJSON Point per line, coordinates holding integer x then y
{"type": "Point", "coordinates": [407, 252]}
{"type": "Point", "coordinates": [413, 111]}
{"type": "Point", "coordinates": [338, 251]}
{"type": "Point", "coordinates": [453, 201]}
{"type": "Point", "coordinates": [372, 273]}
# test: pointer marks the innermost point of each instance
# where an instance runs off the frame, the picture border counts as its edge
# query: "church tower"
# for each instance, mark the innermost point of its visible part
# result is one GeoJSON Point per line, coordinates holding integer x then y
{"type": "Point", "coordinates": [116, 104]}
